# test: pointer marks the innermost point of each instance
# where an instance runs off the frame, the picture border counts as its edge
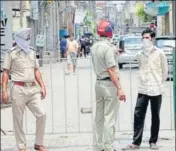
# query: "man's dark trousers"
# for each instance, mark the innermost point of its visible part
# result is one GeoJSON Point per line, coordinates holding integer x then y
{"type": "Point", "coordinates": [139, 117]}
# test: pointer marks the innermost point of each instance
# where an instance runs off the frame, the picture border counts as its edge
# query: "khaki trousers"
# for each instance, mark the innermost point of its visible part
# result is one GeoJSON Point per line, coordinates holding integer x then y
{"type": "Point", "coordinates": [107, 105]}
{"type": "Point", "coordinates": [30, 97]}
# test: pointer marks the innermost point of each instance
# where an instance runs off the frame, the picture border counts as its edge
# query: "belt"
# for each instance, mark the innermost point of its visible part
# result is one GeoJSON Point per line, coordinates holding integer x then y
{"type": "Point", "coordinates": [107, 78]}
{"type": "Point", "coordinates": [25, 84]}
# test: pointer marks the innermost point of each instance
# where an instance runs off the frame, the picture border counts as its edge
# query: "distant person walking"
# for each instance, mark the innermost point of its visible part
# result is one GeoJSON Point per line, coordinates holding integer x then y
{"type": "Point", "coordinates": [83, 45]}
{"type": "Point", "coordinates": [63, 47]}
{"type": "Point", "coordinates": [71, 53]}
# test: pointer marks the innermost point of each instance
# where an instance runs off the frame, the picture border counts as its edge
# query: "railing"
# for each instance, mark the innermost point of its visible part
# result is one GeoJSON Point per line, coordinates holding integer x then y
{"type": "Point", "coordinates": [70, 101]}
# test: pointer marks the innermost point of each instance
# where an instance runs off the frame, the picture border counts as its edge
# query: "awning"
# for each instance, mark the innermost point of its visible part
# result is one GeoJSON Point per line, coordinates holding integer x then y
{"type": "Point", "coordinates": [157, 8]}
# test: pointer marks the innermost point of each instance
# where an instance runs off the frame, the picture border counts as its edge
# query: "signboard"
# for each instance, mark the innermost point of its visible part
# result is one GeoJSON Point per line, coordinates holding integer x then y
{"type": "Point", "coordinates": [157, 8]}
{"type": "Point", "coordinates": [3, 15]}
{"type": "Point", "coordinates": [2, 10]}
{"type": "Point", "coordinates": [100, 4]}
{"type": "Point", "coordinates": [40, 41]}
{"type": "Point", "coordinates": [79, 17]}
{"type": "Point", "coordinates": [34, 10]}
{"type": "Point", "coordinates": [6, 25]}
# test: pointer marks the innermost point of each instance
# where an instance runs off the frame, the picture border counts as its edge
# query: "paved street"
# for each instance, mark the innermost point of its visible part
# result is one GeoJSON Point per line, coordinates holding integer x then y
{"type": "Point", "coordinates": [66, 96]}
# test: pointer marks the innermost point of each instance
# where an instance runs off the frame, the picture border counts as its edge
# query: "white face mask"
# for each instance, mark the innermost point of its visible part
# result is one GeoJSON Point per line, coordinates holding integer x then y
{"type": "Point", "coordinates": [22, 38]}
{"type": "Point", "coordinates": [24, 45]}
{"type": "Point", "coordinates": [148, 44]}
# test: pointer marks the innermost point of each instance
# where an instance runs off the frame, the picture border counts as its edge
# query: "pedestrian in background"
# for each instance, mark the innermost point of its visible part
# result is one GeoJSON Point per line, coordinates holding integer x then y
{"type": "Point", "coordinates": [71, 53]}
{"type": "Point", "coordinates": [83, 45]}
{"type": "Point", "coordinates": [63, 47]}
{"type": "Point", "coordinates": [153, 73]}
{"type": "Point", "coordinates": [108, 89]}
{"type": "Point", "coordinates": [87, 47]}
{"type": "Point", "coordinates": [22, 64]}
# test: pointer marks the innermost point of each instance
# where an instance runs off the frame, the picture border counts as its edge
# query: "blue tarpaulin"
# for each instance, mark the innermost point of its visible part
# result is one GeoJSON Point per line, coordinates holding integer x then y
{"type": "Point", "coordinates": [63, 32]}
{"type": "Point", "coordinates": [158, 8]}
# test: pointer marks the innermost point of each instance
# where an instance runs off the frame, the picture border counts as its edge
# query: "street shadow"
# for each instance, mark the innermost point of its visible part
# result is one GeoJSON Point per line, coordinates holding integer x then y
{"type": "Point", "coordinates": [128, 68]}
{"type": "Point", "coordinates": [8, 149]}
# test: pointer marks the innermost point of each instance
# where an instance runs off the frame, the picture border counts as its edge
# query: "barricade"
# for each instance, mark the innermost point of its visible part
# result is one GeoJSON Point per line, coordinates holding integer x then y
{"type": "Point", "coordinates": [71, 99]}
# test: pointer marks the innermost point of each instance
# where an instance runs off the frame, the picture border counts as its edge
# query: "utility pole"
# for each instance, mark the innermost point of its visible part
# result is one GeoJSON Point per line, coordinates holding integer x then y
{"type": "Point", "coordinates": [173, 16]}
{"type": "Point", "coordinates": [57, 29]}
{"type": "Point", "coordinates": [41, 31]}
{"type": "Point", "coordinates": [116, 22]}
{"type": "Point", "coordinates": [21, 13]}
{"type": "Point", "coordinates": [94, 10]}
{"type": "Point", "coordinates": [174, 59]}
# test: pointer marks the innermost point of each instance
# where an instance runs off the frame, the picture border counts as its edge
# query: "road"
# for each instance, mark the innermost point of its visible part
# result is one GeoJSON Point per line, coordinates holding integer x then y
{"type": "Point", "coordinates": [67, 94]}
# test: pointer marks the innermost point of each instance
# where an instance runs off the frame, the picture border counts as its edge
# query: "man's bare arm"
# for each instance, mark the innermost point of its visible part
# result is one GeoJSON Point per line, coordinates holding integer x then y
{"type": "Point", "coordinates": [114, 78]}
{"type": "Point", "coordinates": [77, 46]}
{"type": "Point", "coordinates": [5, 78]}
{"type": "Point", "coordinates": [67, 48]}
{"type": "Point", "coordinates": [38, 78]}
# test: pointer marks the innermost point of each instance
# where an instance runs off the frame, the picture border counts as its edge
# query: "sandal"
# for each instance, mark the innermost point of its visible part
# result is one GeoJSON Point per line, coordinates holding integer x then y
{"type": "Point", "coordinates": [131, 147]}
{"type": "Point", "coordinates": [153, 146]}
{"type": "Point", "coordinates": [40, 148]}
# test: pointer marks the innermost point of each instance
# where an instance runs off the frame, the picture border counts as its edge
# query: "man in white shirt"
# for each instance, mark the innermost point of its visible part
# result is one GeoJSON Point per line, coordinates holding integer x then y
{"type": "Point", "coordinates": [153, 72]}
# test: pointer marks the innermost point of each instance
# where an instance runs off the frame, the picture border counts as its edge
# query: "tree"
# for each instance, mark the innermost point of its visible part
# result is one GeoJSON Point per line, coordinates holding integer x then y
{"type": "Point", "coordinates": [89, 21]}
{"type": "Point", "coordinates": [141, 14]}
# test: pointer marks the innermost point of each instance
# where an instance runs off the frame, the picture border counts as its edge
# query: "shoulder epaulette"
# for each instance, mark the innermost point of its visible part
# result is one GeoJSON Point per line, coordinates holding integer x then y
{"type": "Point", "coordinates": [11, 49]}
{"type": "Point", "coordinates": [32, 48]}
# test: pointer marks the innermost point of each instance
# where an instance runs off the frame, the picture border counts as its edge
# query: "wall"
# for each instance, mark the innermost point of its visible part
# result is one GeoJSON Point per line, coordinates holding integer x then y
{"type": "Point", "coordinates": [171, 19]}
{"type": "Point", "coordinates": [163, 25]}
{"type": "Point", "coordinates": [16, 19]}
{"type": "Point", "coordinates": [159, 26]}
{"type": "Point", "coordinates": [167, 24]}
{"type": "Point", "coordinates": [62, 13]}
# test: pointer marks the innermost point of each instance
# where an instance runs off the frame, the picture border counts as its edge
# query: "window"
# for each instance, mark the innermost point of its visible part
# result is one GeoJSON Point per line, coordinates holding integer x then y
{"type": "Point", "coordinates": [161, 43]}
{"type": "Point", "coordinates": [131, 41]}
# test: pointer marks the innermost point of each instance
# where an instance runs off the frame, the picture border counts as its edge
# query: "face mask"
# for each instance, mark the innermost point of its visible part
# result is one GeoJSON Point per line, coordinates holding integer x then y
{"type": "Point", "coordinates": [24, 45]}
{"type": "Point", "coordinates": [148, 44]}
{"type": "Point", "coordinates": [22, 39]}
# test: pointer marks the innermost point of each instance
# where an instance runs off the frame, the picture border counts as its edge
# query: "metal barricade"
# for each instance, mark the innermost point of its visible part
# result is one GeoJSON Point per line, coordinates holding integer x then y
{"type": "Point", "coordinates": [69, 97]}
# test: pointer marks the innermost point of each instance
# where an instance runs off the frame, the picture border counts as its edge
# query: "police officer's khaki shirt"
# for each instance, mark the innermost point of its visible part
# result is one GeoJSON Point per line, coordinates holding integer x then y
{"type": "Point", "coordinates": [21, 65]}
{"type": "Point", "coordinates": [103, 57]}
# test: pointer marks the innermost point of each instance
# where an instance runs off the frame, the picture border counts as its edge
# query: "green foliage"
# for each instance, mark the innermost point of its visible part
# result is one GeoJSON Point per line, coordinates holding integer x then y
{"type": "Point", "coordinates": [142, 15]}
{"type": "Point", "coordinates": [89, 21]}
{"type": "Point", "coordinates": [140, 11]}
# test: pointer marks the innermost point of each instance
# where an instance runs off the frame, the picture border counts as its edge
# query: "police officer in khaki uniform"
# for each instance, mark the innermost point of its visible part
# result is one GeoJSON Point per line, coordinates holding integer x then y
{"type": "Point", "coordinates": [108, 89]}
{"type": "Point", "coordinates": [20, 62]}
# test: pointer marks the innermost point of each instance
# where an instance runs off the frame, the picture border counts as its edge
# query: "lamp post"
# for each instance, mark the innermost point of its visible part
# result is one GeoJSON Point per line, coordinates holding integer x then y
{"type": "Point", "coordinates": [174, 60]}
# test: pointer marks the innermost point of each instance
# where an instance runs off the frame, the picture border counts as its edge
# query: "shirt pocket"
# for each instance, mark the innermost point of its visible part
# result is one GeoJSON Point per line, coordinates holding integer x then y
{"type": "Point", "coordinates": [31, 61]}
{"type": "Point", "coordinates": [19, 63]}
{"type": "Point", "coordinates": [155, 64]}
{"type": "Point", "coordinates": [144, 77]}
